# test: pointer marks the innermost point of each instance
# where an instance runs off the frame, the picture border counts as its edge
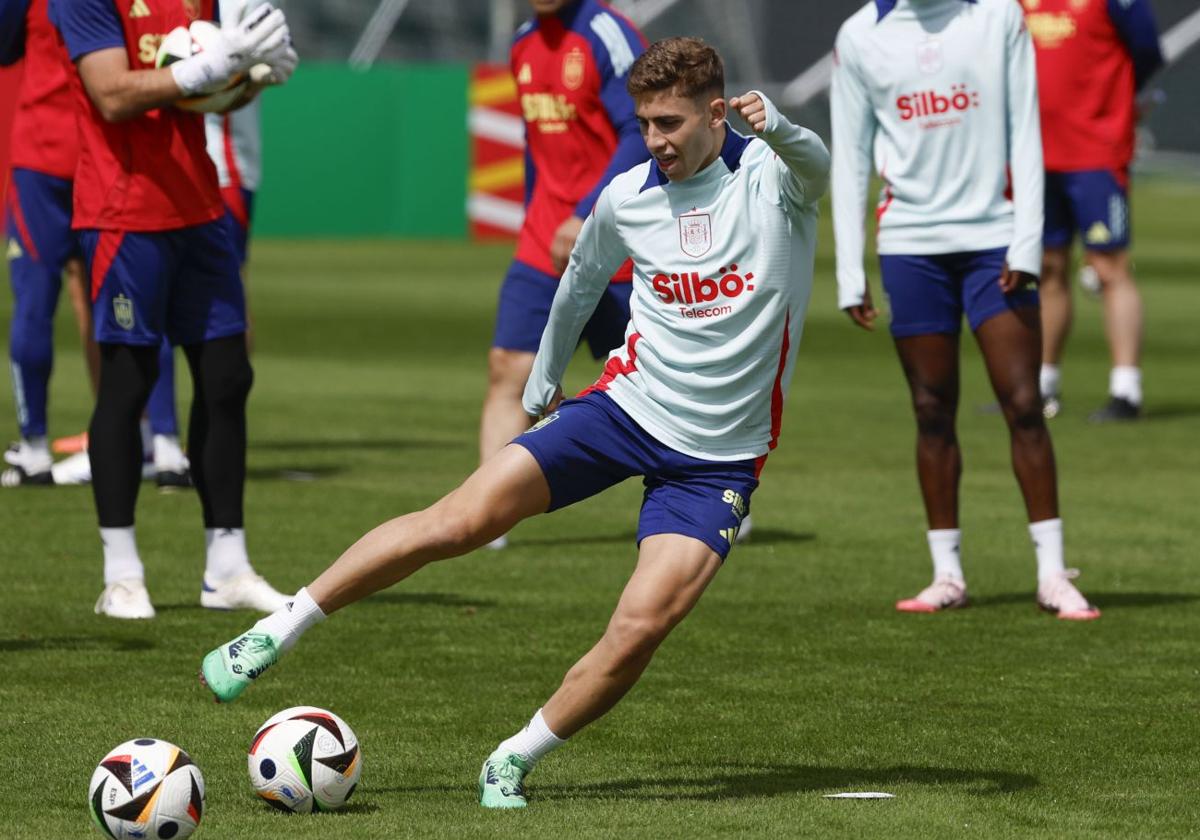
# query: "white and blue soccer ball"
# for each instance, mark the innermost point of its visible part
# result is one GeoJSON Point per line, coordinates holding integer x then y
{"type": "Point", "coordinates": [146, 789]}
{"type": "Point", "coordinates": [305, 759]}
{"type": "Point", "coordinates": [183, 42]}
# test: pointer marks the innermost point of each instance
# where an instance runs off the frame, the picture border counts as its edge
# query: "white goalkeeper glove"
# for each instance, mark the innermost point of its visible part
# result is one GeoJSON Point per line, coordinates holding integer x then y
{"type": "Point", "coordinates": [262, 37]}
{"type": "Point", "coordinates": [277, 72]}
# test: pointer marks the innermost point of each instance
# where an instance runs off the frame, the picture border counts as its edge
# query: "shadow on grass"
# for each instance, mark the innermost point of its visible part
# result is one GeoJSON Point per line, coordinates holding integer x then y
{"type": "Point", "coordinates": [767, 780]}
{"type": "Point", "coordinates": [301, 474]}
{"type": "Point", "coordinates": [75, 643]}
{"type": "Point", "coordinates": [349, 444]}
{"type": "Point", "coordinates": [429, 599]}
{"type": "Point", "coordinates": [759, 781]}
{"type": "Point", "coordinates": [1170, 411]}
{"type": "Point", "coordinates": [1104, 600]}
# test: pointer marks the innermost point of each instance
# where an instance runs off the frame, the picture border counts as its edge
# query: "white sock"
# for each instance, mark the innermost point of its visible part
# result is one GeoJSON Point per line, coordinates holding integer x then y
{"type": "Point", "coordinates": [287, 624]}
{"type": "Point", "coordinates": [226, 557]}
{"type": "Point", "coordinates": [121, 560]}
{"type": "Point", "coordinates": [147, 439]}
{"type": "Point", "coordinates": [167, 453]}
{"type": "Point", "coordinates": [1049, 380]}
{"type": "Point", "coordinates": [534, 741]}
{"type": "Point", "coordinates": [34, 453]}
{"type": "Point", "coordinates": [1126, 382]}
{"type": "Point", "coordinates": [944, 548]}
{"type": "Point", "coordinates": [1047, 537]}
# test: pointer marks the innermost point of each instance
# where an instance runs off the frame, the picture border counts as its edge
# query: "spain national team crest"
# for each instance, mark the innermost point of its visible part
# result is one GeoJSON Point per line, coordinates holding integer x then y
{"type": "Point", "coordinates": [929, 56]}
{"type": "Point", "coordinates": [695, 234]}
{"type": "Point", "coordinates": [573, 67]}
{"type": "Point", "coordinates": [123, 312]}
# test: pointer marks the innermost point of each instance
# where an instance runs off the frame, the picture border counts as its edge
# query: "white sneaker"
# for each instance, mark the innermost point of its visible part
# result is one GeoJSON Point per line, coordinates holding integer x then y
{"type": "Point", "coordinates": [945, 593]}
{"type": "Point", "coordinates": [1058, 595]}
{"type": "Point", "coordinates": [498, 544]}
{"type": "Point", "coordinates": [30, 465]}
{"type": "Point", "coordinates": [74, 470]}
{"type": "Point", "coordinates": [248, 591]}
{"type": "Point", "coordinates": [743, 533]}
{"type": "Point", "coordinates": [125, 599]}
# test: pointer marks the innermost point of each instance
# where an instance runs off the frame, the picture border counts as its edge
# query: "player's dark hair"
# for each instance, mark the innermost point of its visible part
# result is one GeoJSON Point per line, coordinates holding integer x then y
{"type": "Point", "coordinates": [687, 66]}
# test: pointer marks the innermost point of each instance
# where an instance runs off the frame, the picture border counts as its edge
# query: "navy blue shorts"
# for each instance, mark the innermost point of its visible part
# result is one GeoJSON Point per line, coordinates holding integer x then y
{"type": "Point", "coordinates": [524, 310]}
{"type": "Point", "coordinates": [184, 284]}
{"type": "Point", "coordinates": [1095, 203]}
{"type": "Point", "coordinates": [589, 444]}
{"type": "Point", "coordinates": [929, 294]}
{"type": "Point", "coordinates": [239, 211]}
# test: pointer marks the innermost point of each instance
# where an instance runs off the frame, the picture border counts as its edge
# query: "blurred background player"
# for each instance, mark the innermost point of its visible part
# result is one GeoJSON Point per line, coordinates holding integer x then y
{"type": "Point", "coordinates": [41, 245]}
{"type": "Point", "coordinates": [40, 242]}
{"type": "Point", "coordinates": [570, 63]}
{"type": "Point", "coordinates": [1092, 58]}
{"type": "Point", "coordinates": [161, 263]}
{"type": "Point", "coordinates": [943, 92]}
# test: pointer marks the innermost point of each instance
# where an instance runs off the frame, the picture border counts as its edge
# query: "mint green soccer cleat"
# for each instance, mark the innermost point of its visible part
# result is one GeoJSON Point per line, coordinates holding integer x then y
{"type": "Point", "coordinates": [501, 781]}
{"type": "Point", "coordinates": [233, 666]}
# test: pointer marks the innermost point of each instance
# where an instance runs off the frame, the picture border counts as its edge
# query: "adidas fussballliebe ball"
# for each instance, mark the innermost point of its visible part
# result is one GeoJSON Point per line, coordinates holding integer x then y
{"type": "Point", "coordinates": [305, 759]}
{"type": "Point", "coordinates": [181, 43]}
{"type": "Point", "coordinates": [147, 789]}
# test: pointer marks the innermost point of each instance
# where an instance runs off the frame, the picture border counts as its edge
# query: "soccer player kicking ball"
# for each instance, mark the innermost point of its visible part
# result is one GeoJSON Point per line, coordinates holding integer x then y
{"type": "Point", "coordinates": [722, 230]}
{"type": "Point", "coordinates": [161, 263]}
{"type": "Point", "coordinates": [944, 93]}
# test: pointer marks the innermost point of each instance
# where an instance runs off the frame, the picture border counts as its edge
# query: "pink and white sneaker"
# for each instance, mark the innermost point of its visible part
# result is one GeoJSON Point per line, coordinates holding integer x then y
{"type": "Point", "coordinates": [945, 593]}
{"type": "Point", "coordinates": [1059, 596]}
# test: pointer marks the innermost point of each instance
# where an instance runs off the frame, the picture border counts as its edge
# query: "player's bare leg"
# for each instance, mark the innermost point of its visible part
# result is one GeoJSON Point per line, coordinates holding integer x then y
{"type": "Point", "coordinates": [931, 367]}
{"type": "Point", "coordinates": [1123, 320]}
{"type": "Point", "coordinates": [503, 491]}
{"type": "Point", "coordinates": [1012, 346]}
{"type": "Point", "coordinates": [503, 416]}
{"type": "Point", "coordinates": [672, 573]}
{"type": "Point", "coordinates": [1054, 291]}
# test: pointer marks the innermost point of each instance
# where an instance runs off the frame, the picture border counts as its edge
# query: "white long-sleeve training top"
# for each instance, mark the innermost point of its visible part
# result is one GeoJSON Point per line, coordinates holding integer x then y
{"type": "Point", "coordinates": [943, 95]}
{"type": "Point", "coordinates": [723, 270]}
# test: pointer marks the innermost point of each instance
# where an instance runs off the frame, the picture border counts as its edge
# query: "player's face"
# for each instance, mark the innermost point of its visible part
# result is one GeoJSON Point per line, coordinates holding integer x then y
{"type": "Point", "coordinates": [547, 7]}
{"type": "Point", "coordinates": [682, 133]}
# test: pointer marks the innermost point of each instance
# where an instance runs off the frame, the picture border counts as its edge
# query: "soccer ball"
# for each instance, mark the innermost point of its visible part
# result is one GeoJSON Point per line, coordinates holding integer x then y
{"type": "Point", "coordinates": [305, 759]}
{"type": "Point", "coordinates": [181, 43]}
{"type": "Point", "coordinates": [147, 789]}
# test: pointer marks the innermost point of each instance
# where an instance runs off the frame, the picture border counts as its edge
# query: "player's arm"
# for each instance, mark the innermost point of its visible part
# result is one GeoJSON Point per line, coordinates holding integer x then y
{"type": "Point", "coordinates": [853, 120]}
{"type": "Point", "coordinates": [1024, 260]}
{"type": "Point", "coordinates": [1134, 22]}
{"type": "Point", "coordinates": [596, 256]}
{"type": "Point", "coordinates": [803, 154]}
{"type": "Point", "coordinates": [615, 60]}
{"type": "Point", "coordinates": [12, 30]}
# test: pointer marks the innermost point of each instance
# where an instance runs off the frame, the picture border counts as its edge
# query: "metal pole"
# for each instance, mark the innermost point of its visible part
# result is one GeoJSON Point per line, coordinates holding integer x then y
{"type": "Point", "coordinates": [376, 32]}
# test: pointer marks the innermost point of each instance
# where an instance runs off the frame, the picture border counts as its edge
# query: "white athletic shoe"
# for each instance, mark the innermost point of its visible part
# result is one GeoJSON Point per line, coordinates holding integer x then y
{"type": "Point", "coordinates": [74, 470]}
{"type": "Point", "coordinates": [945, 593]}
{"type": "Point", "coordinates": [1058, 595]}
{"type": "Point", "coordinates": [172, 470]}
{"type": "Point", "coordinates": [125, 599]}
{"type": "Point", "coordinates": [743, 533]}
{"type": "Point", "coordinates": [498, 544]}
{"type": "Point", "coordinates": [248, 591]}
{"type": "Point", "coordinates": [30, 465]}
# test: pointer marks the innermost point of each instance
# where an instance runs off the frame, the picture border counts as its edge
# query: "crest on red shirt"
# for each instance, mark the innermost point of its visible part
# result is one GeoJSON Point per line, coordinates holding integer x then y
{"type": "Point", "coordinates": [573, 67]}
{"type": "Point", "coordinates": [695, 234]}
{"type": "Point", "coordinates": [192, 9]}
{"type": "Point", "coordinates": [929, 56]}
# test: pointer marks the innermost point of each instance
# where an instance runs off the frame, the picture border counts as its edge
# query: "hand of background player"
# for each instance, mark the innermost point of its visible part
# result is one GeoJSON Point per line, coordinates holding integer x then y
{"type": "Point", "coordinates": [752, 109]}
{"type": "Point", "coordinates": [277, 72]}
{"type": "Point", "coordinates": [564, 241]}
{"type": "Point", "coordinates": [261, 37]}
{"type": "Point", "coordinates": [1011, 281]}
{"type": "Point", "coordinates": [865, 313]}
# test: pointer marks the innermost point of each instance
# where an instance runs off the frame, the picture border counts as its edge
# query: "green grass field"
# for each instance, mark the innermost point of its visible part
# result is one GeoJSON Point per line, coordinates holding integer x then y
{"type": "Point", "coordinates": [793, 678]}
